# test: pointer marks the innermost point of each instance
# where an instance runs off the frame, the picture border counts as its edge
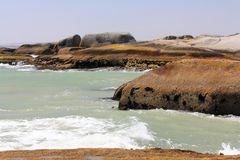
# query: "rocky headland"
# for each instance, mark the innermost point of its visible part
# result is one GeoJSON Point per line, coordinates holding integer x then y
{"type": "Point", "coordinates": [198, 85]}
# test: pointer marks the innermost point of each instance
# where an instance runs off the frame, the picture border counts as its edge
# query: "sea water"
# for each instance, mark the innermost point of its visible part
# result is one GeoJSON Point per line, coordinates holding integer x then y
{"type": "Point", "coordinates": [43, 109]}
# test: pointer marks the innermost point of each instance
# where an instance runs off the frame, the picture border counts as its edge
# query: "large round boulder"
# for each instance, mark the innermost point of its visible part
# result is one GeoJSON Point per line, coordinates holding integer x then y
{"type": "Point", "coordinates": [92, 40]}
{"type": "Point", "coordinates": [207, 86]}
{"type": "Point", "coordinates": [73, 41]}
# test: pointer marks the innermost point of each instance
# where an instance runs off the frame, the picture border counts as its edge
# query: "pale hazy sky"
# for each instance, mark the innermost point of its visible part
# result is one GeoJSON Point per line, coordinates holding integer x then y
{"type": "Point", "coordinates": [51, 20]}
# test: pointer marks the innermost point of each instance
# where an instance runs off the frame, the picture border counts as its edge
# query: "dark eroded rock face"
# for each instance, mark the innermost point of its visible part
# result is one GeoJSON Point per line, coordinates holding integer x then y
{"type": "Point", "coordinates": [179, 37]}
{"type": "Point", "coordinates": [186, 37]}
{"type": "Point", "coordinates": [170, 38]}
{"type": "Point", "coordinates": [39, 49]}
{"type": "Point", "coordinates": [6, 50]}
{"type": "Point", "coordinates": [92, 40]}
{"type": "Point", "coordinates": [73, 41]}
{"type": "Point", "coordinates": [205, 86]}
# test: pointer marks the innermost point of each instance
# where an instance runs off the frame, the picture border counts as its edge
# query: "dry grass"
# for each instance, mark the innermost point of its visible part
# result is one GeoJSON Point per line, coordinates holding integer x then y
{"type": "Point", "coordinates": [127, 47]}
{"type": "Point", "coordinates": [196, 76]}
{"type": "Point", "coordinates": [141, 49]}
{"type": "Point", "coordinates": [4, 57]}
{"type": "Point", "coordinates": [110, 154]}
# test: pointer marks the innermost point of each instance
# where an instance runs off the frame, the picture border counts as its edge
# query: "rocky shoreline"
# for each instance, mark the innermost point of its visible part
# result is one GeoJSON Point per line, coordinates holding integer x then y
{"type": "Point", "coordinates": [194, 85]}
{"type": "Point", "coordinates": [110, 154]}
{"type": "Point", "coordinates": [199, 74]}
{"type": "Point", "coordinates": [196, 74]}
{"type": "Point", "coordinates": [115, 50]}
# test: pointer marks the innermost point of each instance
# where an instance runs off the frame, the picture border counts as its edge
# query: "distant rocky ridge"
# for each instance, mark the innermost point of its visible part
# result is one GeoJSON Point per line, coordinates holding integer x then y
{"type": "Point", "coordinates": [24, 52]}
{"type": "Point", "coordinates": [219, 43]}
{"type": "Point", "coordinates": [179, 37]}
{"type": "Point", "coordinates": [121, 50]}
{"type": "Point", "coordinates": [93, 50]}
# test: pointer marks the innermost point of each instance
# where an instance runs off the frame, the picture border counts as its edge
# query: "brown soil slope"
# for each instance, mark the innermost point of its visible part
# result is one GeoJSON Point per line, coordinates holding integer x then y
{"type": "Point", "coordinates": [110, 154]}
{"type": "Point", "coordinates": [208, 86]}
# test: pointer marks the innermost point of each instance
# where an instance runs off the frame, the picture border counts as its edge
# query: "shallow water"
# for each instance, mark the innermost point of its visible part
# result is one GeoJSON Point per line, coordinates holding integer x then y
{"type": "Point", "coordinates": [72, 109]}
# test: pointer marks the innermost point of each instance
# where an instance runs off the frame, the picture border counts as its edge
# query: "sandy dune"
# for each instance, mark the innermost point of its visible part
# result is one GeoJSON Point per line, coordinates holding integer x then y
{"type": "Point", "coordinates": [229, 43]}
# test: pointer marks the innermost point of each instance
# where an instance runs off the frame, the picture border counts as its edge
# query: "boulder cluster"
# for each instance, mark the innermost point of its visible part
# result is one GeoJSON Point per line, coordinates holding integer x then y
{"type": "Point", "coordinates": [90, 40]}
{"type": "Point", "coordinates": [178, 37]}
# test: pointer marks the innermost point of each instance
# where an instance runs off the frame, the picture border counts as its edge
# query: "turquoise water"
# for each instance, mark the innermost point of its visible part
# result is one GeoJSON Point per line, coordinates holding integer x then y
{"type": "Point", "coordinates": [73, 109]}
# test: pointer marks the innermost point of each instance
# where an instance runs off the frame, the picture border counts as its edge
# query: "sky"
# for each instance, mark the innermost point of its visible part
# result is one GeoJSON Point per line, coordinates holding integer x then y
{"type": "Point", "coordinates": [51, 20]}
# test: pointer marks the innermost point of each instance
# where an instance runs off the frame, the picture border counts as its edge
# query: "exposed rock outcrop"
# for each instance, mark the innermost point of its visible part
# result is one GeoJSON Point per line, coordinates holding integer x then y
{"type": "Point", "coordinates": [49, 48]}
{"type": "Point", "coordinates": [73, 41]}
{"type": "Point", "coordinates": [140, 55]}
{"type": "Point", "coordinates": [207, 86]}
{"type": "Point", "coordinates": [179, 37]}
{"type": "Point", "coordinates": [92, 40]}
{"type": "Point", "coordinates": [6, 50]}
{"type": "Point", "coordinates": [39, 49]}
{"type": "Point", "coordinates": [186, 37]}
{"type": "Point", "coordinates": [170, 38]}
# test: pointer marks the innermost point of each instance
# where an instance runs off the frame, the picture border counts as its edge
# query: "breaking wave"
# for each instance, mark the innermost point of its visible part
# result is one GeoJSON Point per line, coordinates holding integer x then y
{"type": "Point", "coordinates": [73, 132]}
{"type": "Point", "coordinates": [19, 67]}
{"type": "Point", "coordinates": [228, 150]}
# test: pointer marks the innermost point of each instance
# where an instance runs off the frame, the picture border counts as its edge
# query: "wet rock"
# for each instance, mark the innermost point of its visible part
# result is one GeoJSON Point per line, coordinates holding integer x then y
{"type": "Point", "coordinates": [92, 40]}
{"type": "Point", "coordinates": [207, 86]}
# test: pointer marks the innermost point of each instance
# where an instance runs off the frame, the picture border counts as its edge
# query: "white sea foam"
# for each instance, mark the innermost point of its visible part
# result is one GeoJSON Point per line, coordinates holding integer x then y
{"type": "Point", "coordinates": [64, 93]}
{"type": "Point", "coordinates": [228, 150]}
{"type": "Point", "coordinates": [34, 55]}
{"type": "Point", "coordinates": [72, 132]}
{"type": "Point", "coordinates": [116, 69]}
{"type": "Point", "coordinates": [4, 110]}
{"type": "Point", "coordinates": [109, 89]}
{"type": "Point", "coordinates": [204, 116]}
{"type": "Point", "coordinates": [29, 68]}
{"type": "Point", "coordinates": [19, 67]}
